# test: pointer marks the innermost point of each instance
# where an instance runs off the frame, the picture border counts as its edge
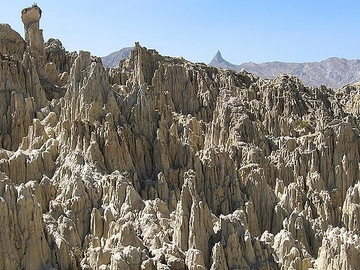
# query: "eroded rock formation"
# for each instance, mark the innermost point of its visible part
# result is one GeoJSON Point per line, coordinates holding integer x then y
{"type": "Point", "coordinates": [165, 164]}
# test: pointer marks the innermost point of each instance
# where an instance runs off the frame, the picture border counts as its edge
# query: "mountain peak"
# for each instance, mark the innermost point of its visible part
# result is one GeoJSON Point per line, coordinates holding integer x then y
{"type": "Point", "coordinates": [218, 61]}
{"type": "Point", "coordinates": [218, 58]}
{"type": "Point", "coordinates": [340, 71]}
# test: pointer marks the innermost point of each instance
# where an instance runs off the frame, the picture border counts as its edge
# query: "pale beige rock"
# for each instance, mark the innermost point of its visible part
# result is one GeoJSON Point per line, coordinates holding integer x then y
{"type": "Point", "coordinates": [165, 164]}
{"type": "Point", "coordinates": [291, 253]}
{"type": "Point", "coordinates": [21, 228]}
{"type": "Point", "coordinates": [11, 43]}
{"type": "Point", "coordinates": [33, 35]}
{"type": "Point", "coordinates": [350, 209]}
{"type": "Point", "coordinates": [339, 250]}
{"type": "Point", "coordinates": [195, 260]}
{"type": "Point", "coordinates": [218, 258]}
{"type": "Point", "coordinates": [193, 222]}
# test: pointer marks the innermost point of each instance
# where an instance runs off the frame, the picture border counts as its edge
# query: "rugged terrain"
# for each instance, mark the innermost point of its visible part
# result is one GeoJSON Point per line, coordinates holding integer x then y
{"type": "Point", "coordinates": [333, 72]}
{"type": "Point", "coordinates": [165, 164]}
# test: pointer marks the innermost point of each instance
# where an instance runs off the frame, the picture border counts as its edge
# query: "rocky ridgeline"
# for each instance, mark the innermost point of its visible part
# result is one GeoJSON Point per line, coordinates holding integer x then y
{"type": "Point", "coordinates": [333, 72]}
{"type": "Point", "coordinates": [165, 164]}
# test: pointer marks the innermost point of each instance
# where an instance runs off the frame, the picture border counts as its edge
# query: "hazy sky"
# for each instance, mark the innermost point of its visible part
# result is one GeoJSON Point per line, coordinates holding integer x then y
{"type": "Point", "coordinates": [257, 31]}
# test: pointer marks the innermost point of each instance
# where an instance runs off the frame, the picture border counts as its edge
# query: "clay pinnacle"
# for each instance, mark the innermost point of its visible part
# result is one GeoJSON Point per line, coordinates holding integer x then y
{"type": "Point", "coordinates": [33, 34]}
{"type": "Point", "coordinates": [30, 15]}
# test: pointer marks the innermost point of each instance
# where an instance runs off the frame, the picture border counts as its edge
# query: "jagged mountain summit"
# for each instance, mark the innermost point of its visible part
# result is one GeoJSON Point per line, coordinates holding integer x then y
{"type": "Point", "coordinates": [161, 163]}
{"type": "Point", "coordinates": [219, 62]}
{"type": "Point", "coordinates": [113, 59]}
{"type": "Point", "coordinates": [333, 72]}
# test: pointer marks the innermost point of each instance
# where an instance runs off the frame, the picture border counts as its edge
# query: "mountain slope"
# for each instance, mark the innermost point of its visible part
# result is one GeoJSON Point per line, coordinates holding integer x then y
{"type": "Point", "coordinates": [113, 59]}
{"type": "Point", "coordinates": [333, 72]}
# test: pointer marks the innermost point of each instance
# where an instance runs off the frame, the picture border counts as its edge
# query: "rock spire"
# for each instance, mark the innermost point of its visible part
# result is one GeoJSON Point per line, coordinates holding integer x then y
{"type": "Point", "coordinates": [33, 34]}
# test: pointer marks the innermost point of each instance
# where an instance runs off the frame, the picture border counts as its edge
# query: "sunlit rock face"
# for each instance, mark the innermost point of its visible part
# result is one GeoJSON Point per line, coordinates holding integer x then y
{"type": "Point", "coordinates": [33, 34]}
{"type": "Point", "coordinates": [165, 164]}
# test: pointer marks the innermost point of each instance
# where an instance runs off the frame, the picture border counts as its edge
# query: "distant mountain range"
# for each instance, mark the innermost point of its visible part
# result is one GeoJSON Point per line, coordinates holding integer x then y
{"type": "Point", "coordinates": [333, 72]}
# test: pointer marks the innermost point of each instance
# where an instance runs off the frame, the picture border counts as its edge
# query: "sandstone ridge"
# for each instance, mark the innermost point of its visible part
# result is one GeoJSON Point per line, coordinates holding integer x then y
{"type": "Point", "coordinates": [161, 163]}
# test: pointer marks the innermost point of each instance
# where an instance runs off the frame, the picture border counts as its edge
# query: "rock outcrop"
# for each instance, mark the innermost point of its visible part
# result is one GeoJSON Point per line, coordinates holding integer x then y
{"type": "Point", "coordinates": [165, 164]}
{"type": "Point", "coordinates": [33, 34]}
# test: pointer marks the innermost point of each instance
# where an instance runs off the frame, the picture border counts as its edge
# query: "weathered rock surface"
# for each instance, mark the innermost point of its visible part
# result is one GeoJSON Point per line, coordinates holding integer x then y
{"type": "Point", "coordinates": [33, 34]}
{"type": "Point", "coordinates": [11, 43]}
{"type": "Point", "coordinates": [165, 164]}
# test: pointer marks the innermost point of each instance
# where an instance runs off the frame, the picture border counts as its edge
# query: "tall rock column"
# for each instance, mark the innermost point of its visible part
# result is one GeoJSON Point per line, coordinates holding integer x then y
{"type": "Point", "coordinates": [33, 35]}
{"type": "Point", "coordinates": [42, 56]}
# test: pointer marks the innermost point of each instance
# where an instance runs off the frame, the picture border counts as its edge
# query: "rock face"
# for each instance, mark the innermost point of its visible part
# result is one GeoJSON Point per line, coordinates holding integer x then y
{"type": "Point", "coordinates": [165, 164]}
{"type": "Point", "coordinates": [333, 72]}
{"type": "Point", "coordinates": [11, 43]}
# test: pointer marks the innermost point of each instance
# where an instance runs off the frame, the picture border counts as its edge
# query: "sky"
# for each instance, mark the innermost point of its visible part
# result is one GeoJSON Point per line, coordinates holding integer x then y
{"type": "Point", "coordinates": [244, 31]}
